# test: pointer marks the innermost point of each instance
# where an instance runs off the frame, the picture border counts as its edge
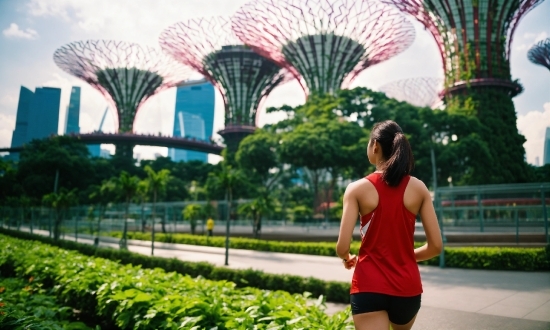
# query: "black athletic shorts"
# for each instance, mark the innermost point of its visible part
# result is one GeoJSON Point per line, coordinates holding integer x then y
{"type": "Point", "coordinates": [401, 310]}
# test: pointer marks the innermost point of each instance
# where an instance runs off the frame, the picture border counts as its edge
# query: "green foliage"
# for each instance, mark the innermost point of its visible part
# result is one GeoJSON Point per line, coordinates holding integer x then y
{"type": "Point", "coordinates": [495, 258]}
{"type": "Point", "coordinates": [191, 213]}
{"type": "Point", "coordinates": [257, 152]}
{"type": "Point", "coordinates": [132, 297]}
{"type": "Point", "coordinates": [496, 113]}
{"type": "Point", "coordinates": [59, 202]}
{"type": "Point", "coordinates": [40, 159]}
{"type": "Point", "coordinates": [25, 304]}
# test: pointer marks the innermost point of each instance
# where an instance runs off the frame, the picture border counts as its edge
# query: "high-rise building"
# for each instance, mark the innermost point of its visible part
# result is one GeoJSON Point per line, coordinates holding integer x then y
{"type": "Point", "coordinates": [193, 117]}
{"type": "Point", "coordinates": [73, 112]}
{"type": "Point", "coordinates": [44, 113]}
{"type": "Point", "coordinates": [19, 136]}
{"type": "Point", "coordinates": [95, 149]}
{"type": "Point", "coordinates": [547, 147]}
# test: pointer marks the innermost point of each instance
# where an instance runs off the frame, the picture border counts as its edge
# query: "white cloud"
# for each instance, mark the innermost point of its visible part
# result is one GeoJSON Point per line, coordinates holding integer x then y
{"type": "Point", "coordinates": [13, 31]}
{"type": "Point", "coordinates": [129, 20]}
{"type": "Point", "coordinates": [9, 100]}
{"type": "Point", "coordinates": [533, 126]}
{"type": "Point", "coordinates": [7, 125]}
{"type": "Point", "coordinates": [541, 36]}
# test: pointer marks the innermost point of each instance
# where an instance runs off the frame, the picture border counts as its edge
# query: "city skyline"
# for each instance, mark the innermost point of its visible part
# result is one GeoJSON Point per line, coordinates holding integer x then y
{"type": "Point", "coordinates": [33, 29]}
{"type": "Point", "coordinates": [193, 116]}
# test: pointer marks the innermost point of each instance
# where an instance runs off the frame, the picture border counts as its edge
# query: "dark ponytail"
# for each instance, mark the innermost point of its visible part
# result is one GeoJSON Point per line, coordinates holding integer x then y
{"type": "Point", "coordinates": [396, 151]}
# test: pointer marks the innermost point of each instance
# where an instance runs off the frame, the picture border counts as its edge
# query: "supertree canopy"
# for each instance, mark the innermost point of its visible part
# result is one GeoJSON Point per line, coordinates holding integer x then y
{"type": "Point", "coordinates": [127, 74]}
{"type": "Point", "coordinates": [540, 53]}
{"type": "Point", "coordinates": [243, 77]}
{"type": "Point", "coordinates": [474, 37]}
{"type": "Point", "coordinates": [420, 92]}
{"type": "Point", "coordinates": [324, 43]}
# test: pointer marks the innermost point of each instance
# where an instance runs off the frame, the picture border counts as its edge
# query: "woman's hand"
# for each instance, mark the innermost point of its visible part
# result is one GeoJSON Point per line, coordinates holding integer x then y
{"type": "Point", "coordinates": [350, 262]}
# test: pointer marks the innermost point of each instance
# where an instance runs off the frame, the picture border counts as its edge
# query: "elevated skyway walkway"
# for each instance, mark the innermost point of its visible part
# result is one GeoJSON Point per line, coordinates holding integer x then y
{"type": "Point", "coordinates": [141, 139]}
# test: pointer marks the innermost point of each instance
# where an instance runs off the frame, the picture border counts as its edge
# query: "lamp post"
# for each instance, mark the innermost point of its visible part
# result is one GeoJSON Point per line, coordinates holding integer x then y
{"type": "Point", "coordinates": [437, 205]}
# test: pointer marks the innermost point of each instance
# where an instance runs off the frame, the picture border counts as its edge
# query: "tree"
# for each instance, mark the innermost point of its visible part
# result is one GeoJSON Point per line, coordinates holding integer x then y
{"type": "Point", "coordinates": [102, 195]}
{"type": "Point", "coordinates": [143, 195]}
{"type": "Point", "coordinates": [128, 186]}
{"type": "Point", "coordinates": [157, 183]}
{"type": "Point", "coordinates": [41, 159]}
{"type": "Point", "coordinates": [227, 179]}
{"type": "Point", "coordinates": [191, 213]}
{"type": "Point", "coordinates": [256, 209]}
{"type": "Point", "coordinates": [60, 202]}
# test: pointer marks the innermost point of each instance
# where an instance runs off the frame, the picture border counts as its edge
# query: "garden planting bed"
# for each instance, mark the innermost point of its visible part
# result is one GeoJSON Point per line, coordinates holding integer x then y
{"type": "Point", "coordinates": [132, 297]}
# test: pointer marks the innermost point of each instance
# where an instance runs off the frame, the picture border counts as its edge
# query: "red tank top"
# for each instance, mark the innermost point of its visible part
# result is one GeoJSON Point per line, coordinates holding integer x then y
{"type": "Point", "coordinates": [386, 262]}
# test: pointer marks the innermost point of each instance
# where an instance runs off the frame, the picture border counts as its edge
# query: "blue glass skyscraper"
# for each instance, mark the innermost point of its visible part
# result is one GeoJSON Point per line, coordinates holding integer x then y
{"type": "Point", "coordinates": [193, 117]}
{"type": "Point", "coordinates": [73, 112]}
{"type": "Point", "coordinates": [19, 136]}
{"type": "Point", "coordinates": [44, 113]}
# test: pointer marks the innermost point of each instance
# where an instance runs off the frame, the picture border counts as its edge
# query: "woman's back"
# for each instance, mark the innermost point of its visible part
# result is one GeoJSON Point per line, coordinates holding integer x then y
{"type": "Point", "coordinates": [386, 286]}
{"type": "Point", "coordinates": [386, 262]}
{"type": "Point", "coordinates": [367, 196]}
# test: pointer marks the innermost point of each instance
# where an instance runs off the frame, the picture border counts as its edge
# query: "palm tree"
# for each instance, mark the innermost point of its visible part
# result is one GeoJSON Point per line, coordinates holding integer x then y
{"type": "Point", "coordinates": [157, 183]}
{"type": "Point", "coordinates": [228, 179]}
{"type": "Point", "coordinates": [128, 186]}
{"type": "Point", "coordinates": [256, 209]}
{"type": "Point", "coordinates": [60, 202]}
{"type": "Point", "coordinates": [102, 195]}
{"type": "Point", "coordinates": [143, 195]}
{"type": "Point", "coordinates": [191, 212]}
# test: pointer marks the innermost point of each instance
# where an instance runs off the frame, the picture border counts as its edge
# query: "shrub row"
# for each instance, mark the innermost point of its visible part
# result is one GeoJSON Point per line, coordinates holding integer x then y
{"type": "Point", "coordinates": [332, 290]}
{"type": "Point", "coordinates": [311, 248]}
{"type": "Point", "coordinates": [24, 304]}
{"type": "Point", "coordinates": [135, 298]}
{"type": "Point", "coordinates": [494, 258]}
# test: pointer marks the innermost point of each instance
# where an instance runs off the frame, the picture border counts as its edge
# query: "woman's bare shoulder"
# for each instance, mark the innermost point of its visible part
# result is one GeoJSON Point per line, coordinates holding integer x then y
{"type": "Point", "coordinates": [359, 185]}
{"type": "Point", "coordinates": [418, 185]}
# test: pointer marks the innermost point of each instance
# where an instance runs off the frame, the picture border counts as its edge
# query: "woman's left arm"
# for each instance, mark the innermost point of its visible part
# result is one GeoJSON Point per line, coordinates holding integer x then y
{"type": "Point", "coordinates": [347, 225]}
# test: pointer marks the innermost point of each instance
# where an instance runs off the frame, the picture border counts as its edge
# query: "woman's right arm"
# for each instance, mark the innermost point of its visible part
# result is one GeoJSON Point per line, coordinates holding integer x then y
{"type": "Point", "coordinates": [434, 244]}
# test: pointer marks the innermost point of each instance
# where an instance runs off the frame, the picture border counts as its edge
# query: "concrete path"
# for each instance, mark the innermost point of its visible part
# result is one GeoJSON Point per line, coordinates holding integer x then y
{"type": "Point", "coordinates": [452, 298]}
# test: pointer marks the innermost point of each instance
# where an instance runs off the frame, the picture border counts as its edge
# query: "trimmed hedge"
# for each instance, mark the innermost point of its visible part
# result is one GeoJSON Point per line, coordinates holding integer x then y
{"type": "Point", "coordinates": [333, 291]}
{"type": "Point", "coordinates": [310, 248]}
{"type": "Point", "coordinates": [494, 258]}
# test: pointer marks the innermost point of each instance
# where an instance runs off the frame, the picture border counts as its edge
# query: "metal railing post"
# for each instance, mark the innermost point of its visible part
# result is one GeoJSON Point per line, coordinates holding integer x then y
{"type": "Point", "coordinates": [480, 210]}
{"type": "Point", "coordinates": [517, 223]}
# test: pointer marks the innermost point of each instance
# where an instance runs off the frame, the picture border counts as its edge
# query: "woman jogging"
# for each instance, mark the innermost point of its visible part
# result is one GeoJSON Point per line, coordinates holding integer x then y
{"type": "Point", "coordinates": [386, 286]}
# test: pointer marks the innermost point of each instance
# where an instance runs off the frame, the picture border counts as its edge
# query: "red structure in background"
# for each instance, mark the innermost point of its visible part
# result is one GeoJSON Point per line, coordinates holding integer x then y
{"type": "Point", "coordinates": [473, 37]}
{"type": "Point", "coordinates": [420, 92]}
{"type": "Point", "coordinates": [324, 43]}
{"type": "Point", "coordinates": [540, 53]}
{"type": "Point", "coordinates": [243, 77]}
{"type": "Point", "coordinates": [127, 74]}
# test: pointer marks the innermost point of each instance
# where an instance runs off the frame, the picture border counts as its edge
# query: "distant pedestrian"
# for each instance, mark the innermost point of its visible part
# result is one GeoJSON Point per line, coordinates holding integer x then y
{"type": "Point", "coordinates": [386, 287]}
{"type": "Point", "coordinates": [210, 226]}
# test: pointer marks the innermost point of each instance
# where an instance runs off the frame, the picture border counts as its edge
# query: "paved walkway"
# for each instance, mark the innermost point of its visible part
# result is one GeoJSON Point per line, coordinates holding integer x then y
{"type": "Point", "coordinates": [452, 299]}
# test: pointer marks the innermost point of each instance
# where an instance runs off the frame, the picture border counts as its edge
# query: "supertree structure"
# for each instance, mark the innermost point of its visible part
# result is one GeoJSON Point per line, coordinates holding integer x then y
{"type": "Point", "coordinates": [323, 43]}
{"type": "Point", "coordinates": [540, 53]}
{"type": "Point", "coordinates": [243, 77]}
{"type": "Point", "coordinates": [474, 38]}
{"type": "Point", "coordinates": [127, 74]}
{"type": "Point", "coordinates": [420, 91]}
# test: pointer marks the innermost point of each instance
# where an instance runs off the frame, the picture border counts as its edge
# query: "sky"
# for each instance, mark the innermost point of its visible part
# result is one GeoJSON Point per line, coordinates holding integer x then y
{"type": "Point", "coordinates": [33, 29]}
